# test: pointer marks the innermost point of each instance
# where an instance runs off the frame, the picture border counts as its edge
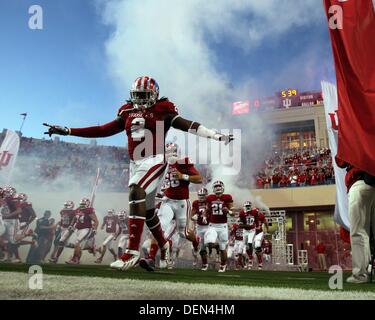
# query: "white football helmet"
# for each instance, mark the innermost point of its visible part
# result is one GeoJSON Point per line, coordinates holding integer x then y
{"type": "Point", "coordinates": [85, 203]}
{"type": "Point", "coordinates": [69, 205]}
{"type": "Point", "coordinates": [144, 92]}
{"type": "Point", "coordinates": [122, 215]}
{"type": "Point", "coordinates": [247, 206]}
{"type": "Point", "coordinates": [218, 187]}
{"type": "Point", "coordinates": [202, 194]}
{"type": "Point", "coordinates": [22, 197]}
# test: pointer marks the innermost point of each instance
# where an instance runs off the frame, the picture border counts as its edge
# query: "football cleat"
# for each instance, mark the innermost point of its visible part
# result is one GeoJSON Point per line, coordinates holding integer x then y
{"type": "Point", "coordinates": [16, 261]}
{"type": "Point", "coordinates": [98, 261]}
{"type": "Point", "coordinates": [165, 255]}
{"type": "Point", "coordinates": [223, 268]}
{"type": "Point", "coordinates": [53, 260]}
{"type": "Point", "coordinates": [129, 260]}
{"type": "Point", "coordinates": [204, 267]}
{"type": "Point", "coordinates": [147, 264]}
{"type": "Point", "coordinates": [260, 266]}
{"type": "Point", "coordinates": [72, 261]}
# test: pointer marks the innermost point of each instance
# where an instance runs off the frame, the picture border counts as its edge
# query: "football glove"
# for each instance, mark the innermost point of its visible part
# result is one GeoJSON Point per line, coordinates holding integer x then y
{"type": "Point", "coordinates": [54, 129]}
{"type": "Point", "coordinates": [225, 138]}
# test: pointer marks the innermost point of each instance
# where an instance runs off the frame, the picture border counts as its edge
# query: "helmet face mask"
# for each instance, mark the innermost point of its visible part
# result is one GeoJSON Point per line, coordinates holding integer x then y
{"type": "Point", "coordinates": [21, 197]}
{"type": "Point", "coordinates": [111, 212]}
{"type": "Point", "coordinates": [69, 205]}
{"type": "Point", "coordinates": [202, 194]}
{"type": "Point", "coordinates": [172, 151]}
{"type": "Point", "coordinates": [122, 215]}
{"type": "Point", "coordinates": [247, 206]}
{"type": "Point", "coordinates": [144, 92]}
{"type": "Point", "coordinates": [84, 203]}
{"type": "Point", "coordinates": [9, 192]}
{"type": "Point", "coordinates": [218, 188]}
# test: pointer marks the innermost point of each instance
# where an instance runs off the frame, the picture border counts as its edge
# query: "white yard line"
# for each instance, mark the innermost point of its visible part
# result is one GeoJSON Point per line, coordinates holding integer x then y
{"type": "Point", "coordinates": [14, 285]}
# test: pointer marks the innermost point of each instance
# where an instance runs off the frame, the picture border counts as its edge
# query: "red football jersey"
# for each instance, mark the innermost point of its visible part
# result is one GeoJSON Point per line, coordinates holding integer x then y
{"type": "Point", "coordinates": [267, 248]}
{"type": "Point", "coordinates": [200, 209]}
{"type": "Point", "coordinates": [110, 223]}
{"type": "Point", "coordinates": [27, 212]}
{"type": "Point", "coordinates": [179, 189]}
{"type": "Point", "coordinates": [124, 225]}
{"type": "Point", "coordinates": [237, 232]}
{"type": "Point", "coordinates": [254, 219]}
{"type": "Point", "coordinates": [216, 205]}
{"type": "Point", "coordinates": [67, 216]}
{"type": "Point", "coordinates": [83, 218]}
{"type": "Point", "coordinates": [10, 206]}
{"type": "Point", "coordinates": [139, 126]}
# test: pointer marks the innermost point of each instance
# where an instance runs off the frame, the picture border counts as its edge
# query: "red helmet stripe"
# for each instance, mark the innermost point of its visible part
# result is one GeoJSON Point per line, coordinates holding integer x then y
{"type": "Point", "coordinates": [145, 80]}
{"type": "Point", "coordinates": [139, 82]}
{"type": "Point", "coordinates": [152, 83]}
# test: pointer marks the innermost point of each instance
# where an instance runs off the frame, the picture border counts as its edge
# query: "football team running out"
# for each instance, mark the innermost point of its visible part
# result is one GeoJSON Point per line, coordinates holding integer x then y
{"type": "Point", "coordinates": [169, 216]}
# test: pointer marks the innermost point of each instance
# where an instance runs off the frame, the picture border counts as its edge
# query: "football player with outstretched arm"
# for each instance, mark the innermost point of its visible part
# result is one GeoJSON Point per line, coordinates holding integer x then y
{"type": "Point", "coordinates": [146, 119]}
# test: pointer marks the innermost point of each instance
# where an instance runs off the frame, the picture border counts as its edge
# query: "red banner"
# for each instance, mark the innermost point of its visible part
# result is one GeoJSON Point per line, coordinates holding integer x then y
{"type": "Point", "coordinates": [352, 30]}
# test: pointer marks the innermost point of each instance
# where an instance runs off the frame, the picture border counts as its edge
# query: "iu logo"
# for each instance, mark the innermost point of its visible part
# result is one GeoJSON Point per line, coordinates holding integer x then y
{"type": "Point", "coordinates": [334, 123]}
{"type": "Point", "coordinates": [287, 103]}
{"type": "Point", "coordinates": [5, 157]}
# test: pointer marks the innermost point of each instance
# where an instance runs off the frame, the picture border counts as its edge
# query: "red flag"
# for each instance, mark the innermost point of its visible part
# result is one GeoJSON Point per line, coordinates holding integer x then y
{"type": "Point", "coordinates": [352, 30]}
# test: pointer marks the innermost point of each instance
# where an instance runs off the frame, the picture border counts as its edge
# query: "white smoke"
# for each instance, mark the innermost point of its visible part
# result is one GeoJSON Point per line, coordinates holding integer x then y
{"type": "Point", "coordinates": [172, 41]}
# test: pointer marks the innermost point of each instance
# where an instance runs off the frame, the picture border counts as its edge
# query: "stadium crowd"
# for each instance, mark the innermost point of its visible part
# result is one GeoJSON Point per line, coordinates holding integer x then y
{"type": "Point", "coordinates": [296, 169]}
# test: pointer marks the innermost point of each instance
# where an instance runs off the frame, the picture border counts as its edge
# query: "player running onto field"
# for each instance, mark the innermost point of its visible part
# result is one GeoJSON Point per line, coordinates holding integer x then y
{"type": "Point", "coordinates": [219, 205]}
{"type": "Point", "coordinates": [146, 119]}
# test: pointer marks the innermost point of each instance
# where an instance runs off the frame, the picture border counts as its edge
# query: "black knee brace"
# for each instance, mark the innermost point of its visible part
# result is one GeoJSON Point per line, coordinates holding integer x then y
{"type": "Point", "coordinates": [203, 253]}
{"type": "Point", "coordinates": [136, 193]}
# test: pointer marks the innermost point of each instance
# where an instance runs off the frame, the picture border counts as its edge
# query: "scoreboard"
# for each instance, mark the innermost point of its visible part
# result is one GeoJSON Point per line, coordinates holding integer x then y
{"type": "Point", "coordinates": [283, 99]}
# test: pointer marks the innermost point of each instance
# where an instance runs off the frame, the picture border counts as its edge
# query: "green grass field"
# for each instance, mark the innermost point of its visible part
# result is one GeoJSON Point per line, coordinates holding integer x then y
{"type": "Point", "coordinates": [271, 279]}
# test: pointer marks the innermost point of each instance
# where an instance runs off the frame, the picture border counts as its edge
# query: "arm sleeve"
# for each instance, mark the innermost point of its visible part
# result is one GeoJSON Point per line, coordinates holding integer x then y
{"type": "Point", "coordinates": [106, 130]}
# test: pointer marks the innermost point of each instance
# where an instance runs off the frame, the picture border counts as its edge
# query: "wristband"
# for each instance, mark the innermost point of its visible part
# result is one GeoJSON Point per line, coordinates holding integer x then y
{"type": "Point", "coordinates": [185, 177]}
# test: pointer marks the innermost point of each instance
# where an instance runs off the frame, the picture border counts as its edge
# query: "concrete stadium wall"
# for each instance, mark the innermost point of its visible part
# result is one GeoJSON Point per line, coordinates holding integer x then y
{"type": "Point", "coordinates": [298, 197]}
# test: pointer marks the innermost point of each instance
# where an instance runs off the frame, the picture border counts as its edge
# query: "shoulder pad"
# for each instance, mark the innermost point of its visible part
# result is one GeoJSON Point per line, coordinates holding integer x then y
{"type": "Point", "coordinates": [166, 106]}
{"type": "Point", "coordinates": [228, 197]}
{"type": "Point", "coordinates": [124, 108]}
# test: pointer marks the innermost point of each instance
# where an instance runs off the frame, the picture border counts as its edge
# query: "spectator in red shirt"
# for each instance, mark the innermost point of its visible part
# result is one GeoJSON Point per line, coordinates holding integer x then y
{"type": "Point", "coordinates": [267, 182]}
{"type": "Point", "coordinates": [276, 180]}
{"type": "Point", "coordinates": [321, 253]}
{"type": "Point", "coordinates": [314, 179]}
{"type": "Point", "coordinates": [284, 182]}
{"type": "Point", "coordinates": [259, 182]}
{"type": "Point", "coordinates": [302, 179]}
{"type": "Point", "coordinates": [321, 177]}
